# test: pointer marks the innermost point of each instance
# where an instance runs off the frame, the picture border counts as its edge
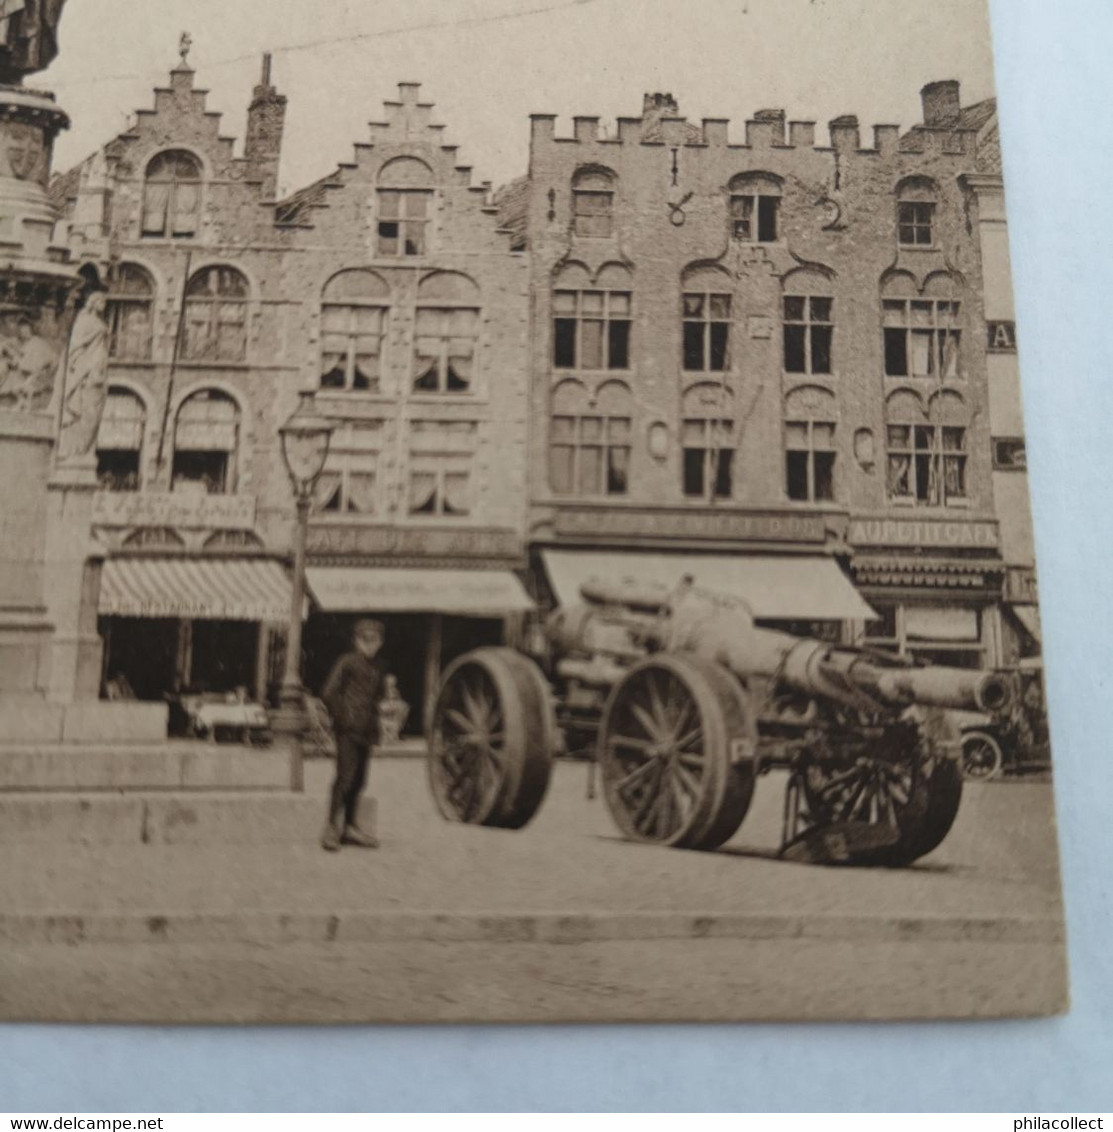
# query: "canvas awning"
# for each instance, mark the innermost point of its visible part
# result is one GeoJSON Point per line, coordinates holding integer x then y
{"type": "Point", "coordinates": [1029, 617]}
{"type": "Point", "coordinates": [220, 589]}
{"type": "Point", "coordinates": [467, 593]}
{"type": "Point", "coordinates": [776, 588]}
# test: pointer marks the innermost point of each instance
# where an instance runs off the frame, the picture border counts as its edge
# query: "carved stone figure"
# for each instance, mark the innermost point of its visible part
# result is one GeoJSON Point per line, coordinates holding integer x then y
{"type": "Point", "coordinates": [28, 363]}
{"type": "Point", "coordinates": [28, 37]}
{"type": "Point", "coordinates": [84, 383]}
{"type": "Point", "coordinates": [393, 712]}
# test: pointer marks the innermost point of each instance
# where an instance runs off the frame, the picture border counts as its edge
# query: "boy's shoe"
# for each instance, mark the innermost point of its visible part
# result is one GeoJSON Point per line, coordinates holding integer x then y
{"type": "Point", "coordinates": [353, 835]}
{"type": "Point", "coordinates": [330, 840]}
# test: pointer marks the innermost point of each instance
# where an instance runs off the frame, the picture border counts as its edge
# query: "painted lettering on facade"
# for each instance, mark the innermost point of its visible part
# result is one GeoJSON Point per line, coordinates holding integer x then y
{"type": "Point", "coordinates": [1002, 337]}
{"type": "Point", "coordinates": [413, 542]}
{"type": "Point", "coordinates": [923, 532]}
{"type": "Point", "coordinates": [173, 509]}
{"type": "Point", "coordinates": [744, 527]}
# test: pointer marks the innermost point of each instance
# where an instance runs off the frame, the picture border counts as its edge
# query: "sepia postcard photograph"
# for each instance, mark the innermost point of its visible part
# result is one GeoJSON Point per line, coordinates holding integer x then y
{"type": "Point", "coordinates": [515, 512]}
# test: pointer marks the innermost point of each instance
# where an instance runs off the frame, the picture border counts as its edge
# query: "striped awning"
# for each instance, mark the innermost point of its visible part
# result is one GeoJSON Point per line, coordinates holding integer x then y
{"type": "Point", "coordinates": [213, 589]}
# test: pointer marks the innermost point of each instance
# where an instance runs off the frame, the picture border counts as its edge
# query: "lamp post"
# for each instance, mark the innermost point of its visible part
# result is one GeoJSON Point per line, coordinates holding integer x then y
{"type": "Point", "coordinates": [305, 441]}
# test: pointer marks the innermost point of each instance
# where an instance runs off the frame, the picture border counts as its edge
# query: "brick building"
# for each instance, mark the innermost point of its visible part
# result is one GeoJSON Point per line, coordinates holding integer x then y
{"type": "Point", "coordinates": [763, 363]}
{"type": "Point", "coordinates": [388, 290]}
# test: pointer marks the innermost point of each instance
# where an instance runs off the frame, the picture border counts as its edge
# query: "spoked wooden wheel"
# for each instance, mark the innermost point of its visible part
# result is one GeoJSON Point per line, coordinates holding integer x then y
{"type": "Point", "coordinates": [981, 756]}
{"type": "Point", "coordinates": [893, 805]}
{"type": "Point", "coordinates": [491, 739]}
{"type": "Point", "coordinates": [676, 748]}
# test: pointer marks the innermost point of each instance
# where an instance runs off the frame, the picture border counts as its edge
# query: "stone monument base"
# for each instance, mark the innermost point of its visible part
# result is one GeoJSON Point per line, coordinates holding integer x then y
{"type": "Point", "coordinates": [32, 720]}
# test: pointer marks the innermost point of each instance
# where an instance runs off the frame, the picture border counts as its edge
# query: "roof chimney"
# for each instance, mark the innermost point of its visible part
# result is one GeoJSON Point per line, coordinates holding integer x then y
{"type": "Point", "coordinates": [942, 103]}
{"type": "Point", "coordinates": [266, 121]}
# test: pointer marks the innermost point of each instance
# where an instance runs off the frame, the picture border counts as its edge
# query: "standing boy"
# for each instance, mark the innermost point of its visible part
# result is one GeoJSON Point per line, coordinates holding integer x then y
{"type": "Point", "coordinates": [351, 695]}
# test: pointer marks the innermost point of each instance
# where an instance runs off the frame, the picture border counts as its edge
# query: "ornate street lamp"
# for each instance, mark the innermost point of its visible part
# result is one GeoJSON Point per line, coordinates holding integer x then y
{"type": "Point", "coordinates": [305, 441]}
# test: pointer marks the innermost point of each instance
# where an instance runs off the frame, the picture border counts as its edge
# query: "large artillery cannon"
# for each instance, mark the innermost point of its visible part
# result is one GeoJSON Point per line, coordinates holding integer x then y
{"type": "Point", "coordinates": [684, 702]}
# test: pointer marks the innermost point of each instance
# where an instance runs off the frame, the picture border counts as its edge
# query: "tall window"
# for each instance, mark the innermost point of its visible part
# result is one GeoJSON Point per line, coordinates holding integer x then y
{"type": "Point", "coordinates": [810, 461]}
{"type": "Point", "coordinates": [808, 334]}
{"type": "Point", "coordinates": [589, 455]}
{"type": "Point", "coordinates": [172, 195]}
{"type": "Point", "coordinates": [593, 203]}
{"type": "Point", "coordinates": [916, 211]}
{"type": "Point", "coordinates": [405, 207]}
{"type": "Point", "coordinates": [206, 444]}
{"type": "Point", "coordinates": [130, 314]}
{"type": "Point", "coordinates": [215, 324]}
{"type": "Point", "coordinates": [755, 206]}
{"type": "Point", "coordinates": [708, 454]}
{"type": "Point", "coordinates": [927, 464]}
{"type": "Point", "coordinates": [354, 310]}
{"type": "Point", "coordinates": [441, 458]}
{"type": "Point", "coordinates": [706, 317]}
{"type": "Point", "coordinates": [120, 441]}
{"type": "Point", "coordinates": [591, 330]}
{"type": "Point", "coordinates": [349, 484]}
{"type": "Point", "coordinates": [445, 334]}
{"type": "Point", "coordinates": [922, 337]}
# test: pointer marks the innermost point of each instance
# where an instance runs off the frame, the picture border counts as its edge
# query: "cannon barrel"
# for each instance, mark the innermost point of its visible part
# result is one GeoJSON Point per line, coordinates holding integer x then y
{"type": "Point", "coordinates": [719, 628]}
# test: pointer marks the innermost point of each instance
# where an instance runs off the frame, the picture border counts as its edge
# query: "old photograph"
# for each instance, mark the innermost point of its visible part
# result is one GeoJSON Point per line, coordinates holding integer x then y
{"type": "Point", "coordinates": [515, 512]}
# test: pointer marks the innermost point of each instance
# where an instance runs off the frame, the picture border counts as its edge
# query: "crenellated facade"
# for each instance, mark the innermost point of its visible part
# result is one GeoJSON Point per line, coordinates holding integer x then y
{"type": "Point", "coordinates": [769, 347]}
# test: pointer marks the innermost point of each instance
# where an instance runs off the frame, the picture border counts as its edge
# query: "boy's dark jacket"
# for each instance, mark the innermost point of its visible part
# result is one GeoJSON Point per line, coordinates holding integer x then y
{"type": "Point", "coordinates": [351, 694]}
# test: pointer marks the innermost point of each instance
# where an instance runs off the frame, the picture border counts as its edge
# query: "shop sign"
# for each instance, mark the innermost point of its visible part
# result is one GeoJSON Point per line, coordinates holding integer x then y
{"type": "Point", "coordinates": [1002, 337]}
{"type": "Point", "coordinates": [1020, 585]}
{"type": "Point", "coordinates": [723, 526]}
{"type": "Point", "coordinates": [173, 509]}
{"type": "Point", "coordinates": [413, 542]}
{"type": "Point", "coordinates": [923, 533]}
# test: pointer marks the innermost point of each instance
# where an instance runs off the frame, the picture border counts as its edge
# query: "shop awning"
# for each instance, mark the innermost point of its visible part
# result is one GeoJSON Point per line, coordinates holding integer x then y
{"type": "Point", "coordinates": [1029, 617]}
{"type": "Point", "coordinates": [797, 588]}
{"type": "Point", "coordinates": [467, 593]}
{"type": "Point", "coordinates": [214, 589]}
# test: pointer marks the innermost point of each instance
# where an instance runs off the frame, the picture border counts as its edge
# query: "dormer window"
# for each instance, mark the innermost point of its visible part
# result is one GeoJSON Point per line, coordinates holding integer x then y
{"type": "Point", "coordinates": [755, 207]}
{"type": "Point", "coordinates": [593, 203]}
{"type": "Point", "coordinates": [172, 195]}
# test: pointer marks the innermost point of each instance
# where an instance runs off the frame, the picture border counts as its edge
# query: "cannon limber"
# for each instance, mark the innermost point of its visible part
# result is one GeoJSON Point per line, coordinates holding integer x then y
{"type": "Point", "coordinates": [683, 702]}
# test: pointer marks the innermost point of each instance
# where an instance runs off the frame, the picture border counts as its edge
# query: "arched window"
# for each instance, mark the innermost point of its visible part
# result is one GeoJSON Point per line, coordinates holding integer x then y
{"type": "Point", "coordinates": [705, 315]}
{"type": "Point", "coordinates": [917, 201]}
{"type": "Point", "coordinates": [589, 444]}
{"type": "Point", "coordinates": [926, 452]}
{"type": "Point", "coordinates": [708, 442]}
{"type": "Point", "coordinates": [206, 444]}
{"type": "Point", "coordinates": [592, 319]}
{"type": "Point", "coordinates": [405, 205]}
{"type": "Point", "coordinates": [446, 329]}
{"type": "Point", "coordinates": [354, 309]}
{"type": "Point", "coordinates": [215, 325]}
{"type": "Point", "coordinates": [130, 313]}
{"type": "Point", "coordinates": [755, 206]}
{"type": "Point", "coordinates": [120, 441]}
{"type": "Point", "coordinates": [172, 195]}
{"type": "Point", "coordinates": [922, 330]}
{"type": "Point", "coordinates": [809, 324]}
{"type": "Point", "coordinates": [593, 203]}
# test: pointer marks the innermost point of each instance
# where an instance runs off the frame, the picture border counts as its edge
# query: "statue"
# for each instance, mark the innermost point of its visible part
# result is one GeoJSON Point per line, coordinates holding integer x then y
{"type": "Point", "coordinates": [393, 712]}
{"type": "Point", "coordinates": [28, 37]}
{"type": "Point", "coordinates": [83, 379]}
{"type": "Point", "coordinates": [28, 364]}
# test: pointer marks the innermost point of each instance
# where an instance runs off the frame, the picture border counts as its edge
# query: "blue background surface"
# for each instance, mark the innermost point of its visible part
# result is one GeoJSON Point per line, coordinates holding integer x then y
{"type": "Point", "coordinates": [1054, 83]}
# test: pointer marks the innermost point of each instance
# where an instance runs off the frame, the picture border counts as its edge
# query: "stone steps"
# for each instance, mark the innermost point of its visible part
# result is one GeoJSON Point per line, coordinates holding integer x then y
{"type": "Point", "coordinates": [202, 818]}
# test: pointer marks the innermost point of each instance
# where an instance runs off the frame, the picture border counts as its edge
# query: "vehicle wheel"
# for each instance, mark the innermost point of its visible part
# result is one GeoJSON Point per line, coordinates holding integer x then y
{"type": "Point", "coordinates": [891, 806]}
{"type": "Point", "coordinates": [491, 740]}
{"type": "Point", "coordinates": [981, 756]}
{"type": "Point", "coordinates": [676, 749]}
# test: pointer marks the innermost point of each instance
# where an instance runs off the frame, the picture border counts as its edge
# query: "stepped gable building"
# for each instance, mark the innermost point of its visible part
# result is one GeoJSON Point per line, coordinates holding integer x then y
{"type": "Point", "coordinates": [387, 289]}
{"type": "Point", "coordinates": [765, 358]}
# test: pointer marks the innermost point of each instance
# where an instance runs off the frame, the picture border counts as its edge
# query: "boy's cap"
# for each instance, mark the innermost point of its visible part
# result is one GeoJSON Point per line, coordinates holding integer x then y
{"type": "Point", "coordinates": [367, 625]}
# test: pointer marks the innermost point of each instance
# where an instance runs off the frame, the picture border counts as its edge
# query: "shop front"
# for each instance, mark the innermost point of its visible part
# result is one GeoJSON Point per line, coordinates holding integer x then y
{"type": "Point", "coordinates": [176, 625]}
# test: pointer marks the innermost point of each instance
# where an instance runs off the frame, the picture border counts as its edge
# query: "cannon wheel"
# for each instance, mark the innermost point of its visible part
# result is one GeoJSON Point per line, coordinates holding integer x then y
{"type": "Point", "coordinates": [982, 759]}
{"type": "Point", "coordinates": [491, 740]}
{"type": "Point", "coordinates": [902, 786]}
{"type": "Point", "coordinates": [676, 747]}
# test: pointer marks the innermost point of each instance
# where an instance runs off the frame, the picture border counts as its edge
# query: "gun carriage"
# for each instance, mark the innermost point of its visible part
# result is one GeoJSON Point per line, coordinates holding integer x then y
{"type": "Point", "coordinates": [685, 702]}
